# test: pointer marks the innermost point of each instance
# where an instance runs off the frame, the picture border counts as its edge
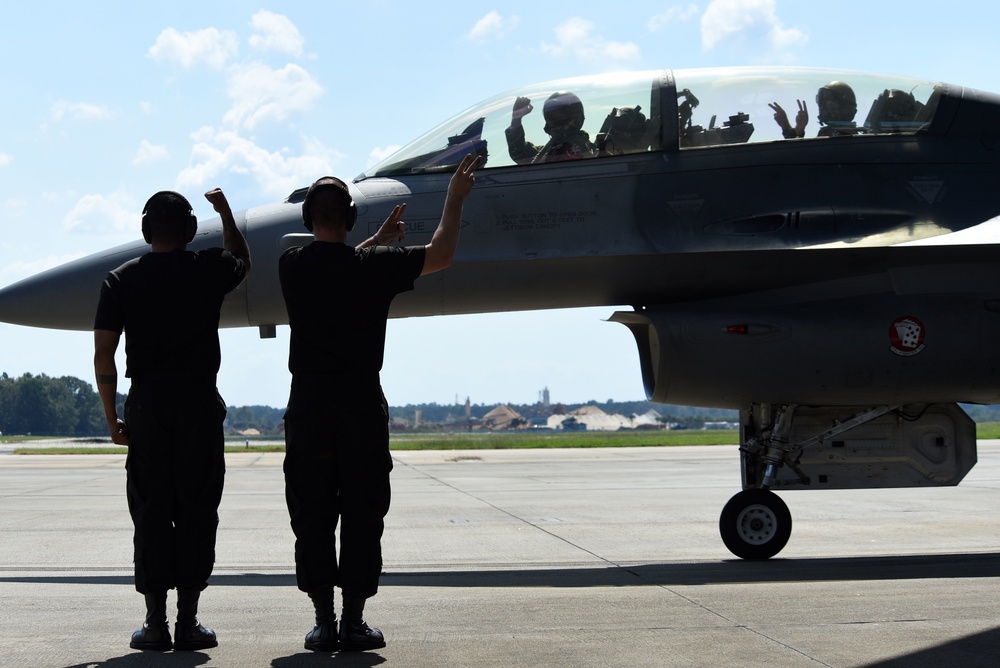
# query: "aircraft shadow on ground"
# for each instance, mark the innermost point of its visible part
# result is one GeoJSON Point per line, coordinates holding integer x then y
{"type": "Point", "coordinates": [972, 651]}
{"type": "Point", "coordinates": [907, 567]}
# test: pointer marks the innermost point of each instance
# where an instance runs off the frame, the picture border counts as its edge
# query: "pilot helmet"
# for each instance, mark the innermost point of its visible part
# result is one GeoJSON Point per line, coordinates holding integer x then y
{"type": "Point", "coordinates": [836, 102]}
{"type": "Point", "coordinates": [563, 113]}
{"type": "Point", "coordinates": [899, 106]}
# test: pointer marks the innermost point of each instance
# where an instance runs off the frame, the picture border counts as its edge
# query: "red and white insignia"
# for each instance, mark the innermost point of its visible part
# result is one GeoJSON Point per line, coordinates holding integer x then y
{"type": "Point", "coordinates": [906, 336]}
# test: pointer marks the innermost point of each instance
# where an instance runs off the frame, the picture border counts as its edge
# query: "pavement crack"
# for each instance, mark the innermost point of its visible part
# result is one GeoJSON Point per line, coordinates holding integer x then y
{"type": "Point", "coordinates": [508, 513]}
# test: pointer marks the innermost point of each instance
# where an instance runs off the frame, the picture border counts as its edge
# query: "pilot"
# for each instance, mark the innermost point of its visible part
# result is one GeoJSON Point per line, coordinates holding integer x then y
{"type": "Point", "coordinates": [837, 108]}
{"type": "Point", "coordinates": [898, 106]}
{"type": "Point", "coordinates": [564, 118]}
{"type": "Point", "coordinates": [167, 302]}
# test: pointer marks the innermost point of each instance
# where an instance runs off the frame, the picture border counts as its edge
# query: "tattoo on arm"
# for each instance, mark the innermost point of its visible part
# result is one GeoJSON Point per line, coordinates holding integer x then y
{"type": "Point", "coordinates": [106, 379]}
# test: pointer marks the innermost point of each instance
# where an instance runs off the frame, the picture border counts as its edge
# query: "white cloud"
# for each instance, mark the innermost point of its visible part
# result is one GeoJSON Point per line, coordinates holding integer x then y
{"type": "Point", "coordinates": [673, 14]}
{"type": "Point", "coordinates": [6, 159]}
{"type": "Point", "coordinates": [575, 39]}
{"type": "Point", "coordinates": [275, 32]}
{"type": "Point", "coordinates": [781, 38]}
{"type": "Point", "coordinates": [277, 173]}
{"type": "Point", "coordinates": [261, 93]}
{"type": "Point", "coordinates": [80, 111]}
{"type": "Point", "coordinates": [209, 46]}
{"type": "Point", "coordinates": [724, 20]}
{"type": "Point", "coordinates": [379, 154]}
{"type": "Point", "coordinates": [149, 153]}
{"type": "Point", "coordinates": [104, 214]}
{"type": "Point", "coordinates": [258, 94]}
{"type": "Point", "coordinates": [491, 26]}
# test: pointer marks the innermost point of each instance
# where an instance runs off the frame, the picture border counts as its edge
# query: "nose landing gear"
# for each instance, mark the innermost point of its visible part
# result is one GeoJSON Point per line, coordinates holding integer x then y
{"type": "Point", "coordinates": [755, 524]}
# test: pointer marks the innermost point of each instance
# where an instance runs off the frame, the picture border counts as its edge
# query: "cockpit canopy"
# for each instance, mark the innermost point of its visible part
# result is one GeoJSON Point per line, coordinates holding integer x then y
{"type": "Point", "coordinates": [624, 113]}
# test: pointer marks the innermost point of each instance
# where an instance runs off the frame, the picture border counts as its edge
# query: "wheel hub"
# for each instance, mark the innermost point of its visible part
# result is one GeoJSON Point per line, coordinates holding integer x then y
{"type": "Point", "coordinates": [756, 524]}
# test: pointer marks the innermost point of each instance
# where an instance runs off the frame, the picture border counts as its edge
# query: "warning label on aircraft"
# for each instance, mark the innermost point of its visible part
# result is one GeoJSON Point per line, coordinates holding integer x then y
{"type": "Point", "coordinates": [906, 336]}
{"type": "Point", "coordinates": [927, 189]}
{"type": "Point", "coordinates": [542, 220]}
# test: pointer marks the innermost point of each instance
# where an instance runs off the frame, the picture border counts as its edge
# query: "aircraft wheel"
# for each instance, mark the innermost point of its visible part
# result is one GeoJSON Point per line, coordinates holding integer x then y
{"type": "Point", "coordinates": [755, 524]}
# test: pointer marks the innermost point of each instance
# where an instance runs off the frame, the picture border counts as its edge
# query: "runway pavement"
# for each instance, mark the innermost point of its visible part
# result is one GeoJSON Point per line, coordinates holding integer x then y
{"type": "Point", "coordinates": [607, 557]}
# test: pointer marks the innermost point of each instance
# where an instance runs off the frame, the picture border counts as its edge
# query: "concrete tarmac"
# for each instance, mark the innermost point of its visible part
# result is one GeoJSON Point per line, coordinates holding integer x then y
{"type": "Point", "coordinates": [607, 557]}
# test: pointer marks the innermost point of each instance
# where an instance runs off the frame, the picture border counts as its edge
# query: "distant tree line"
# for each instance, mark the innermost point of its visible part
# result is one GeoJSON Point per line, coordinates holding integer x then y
{"type": "Point", "coordinates": [266, 420]}
{"type": "Point", "coordinates": [45, 406]}
{"type": "Point", "coordinates": [67, 406]}
{"type": "Point", "coordinates": [70, 407]}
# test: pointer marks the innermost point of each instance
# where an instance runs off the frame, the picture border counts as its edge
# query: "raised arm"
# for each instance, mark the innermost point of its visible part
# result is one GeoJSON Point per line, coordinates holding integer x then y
{"type": "Point", "coordinates": [232, 239]}
{"type": "Point", "coordinates": [441, 249]}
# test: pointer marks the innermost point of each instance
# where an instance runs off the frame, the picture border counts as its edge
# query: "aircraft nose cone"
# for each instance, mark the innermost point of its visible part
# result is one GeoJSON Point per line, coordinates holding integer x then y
{"type": "Point", "coordinates": [54, 299]}
{"type": "Point", "coordinates": [64, 297]}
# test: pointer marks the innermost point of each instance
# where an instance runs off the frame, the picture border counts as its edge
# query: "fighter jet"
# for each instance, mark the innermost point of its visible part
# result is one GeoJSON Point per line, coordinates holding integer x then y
{"type": "Point", "coordinates": [784, 239]}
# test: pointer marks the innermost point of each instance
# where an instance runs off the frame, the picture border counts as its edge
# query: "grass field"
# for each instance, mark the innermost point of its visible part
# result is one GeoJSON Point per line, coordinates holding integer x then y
{"type": "Point", "coordinates": [480, 441]}
{"type": "Point", "coordinates": [458, 441]}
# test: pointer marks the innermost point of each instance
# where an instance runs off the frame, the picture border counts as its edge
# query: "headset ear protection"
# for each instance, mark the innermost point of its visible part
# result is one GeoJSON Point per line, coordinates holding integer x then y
{"type": "Point", "coordinates": [351, 217]}
{"type": "Point", "coordinates": [169, 205]}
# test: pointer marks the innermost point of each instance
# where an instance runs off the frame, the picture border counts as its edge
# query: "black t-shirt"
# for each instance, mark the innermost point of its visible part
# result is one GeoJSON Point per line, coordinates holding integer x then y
{"type": "Point", "coordinates": [168, 306]}
{"type": "Point", "coordinates": [338, 300]}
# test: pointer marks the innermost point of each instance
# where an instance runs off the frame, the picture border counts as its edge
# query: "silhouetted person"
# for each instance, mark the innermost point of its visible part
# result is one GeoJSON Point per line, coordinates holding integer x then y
{"type": "Point", "coordinates": [564, 118]}
{"type": "Point", "coordinates": [167, 303]}
{"type": "Point", "coordinates": [337, 459]}
{"type": "Point", "coordinates": [898, 106]}
{"type": "Point", "coordinates": [837, 108]}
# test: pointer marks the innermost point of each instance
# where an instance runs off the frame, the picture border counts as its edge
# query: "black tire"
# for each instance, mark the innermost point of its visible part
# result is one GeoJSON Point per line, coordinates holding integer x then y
{"type": "Point", "coordinates": [755, 524]}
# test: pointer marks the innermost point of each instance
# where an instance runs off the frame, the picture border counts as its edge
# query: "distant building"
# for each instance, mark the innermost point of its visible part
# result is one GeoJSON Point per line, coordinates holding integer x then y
{"type": "Point", "coordinates": [399, 424]}
{"type": "Point", "coordinates": [648, 420]}
{"type": "Point", "coordinates": [591, 418]}
{"type": "Point", "coordinates": [502, 418]}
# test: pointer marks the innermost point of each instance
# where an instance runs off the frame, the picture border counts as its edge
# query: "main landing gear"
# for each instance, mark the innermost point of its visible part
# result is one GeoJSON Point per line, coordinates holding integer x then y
{"type": "Point", "coordinates": [756, 523]}
{"type": "Point", "coordinates": [789, 446]}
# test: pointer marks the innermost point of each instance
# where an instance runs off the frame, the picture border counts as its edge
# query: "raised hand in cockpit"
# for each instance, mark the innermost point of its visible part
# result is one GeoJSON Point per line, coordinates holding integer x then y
{"type": "Point", "coordinates": [522, 107]}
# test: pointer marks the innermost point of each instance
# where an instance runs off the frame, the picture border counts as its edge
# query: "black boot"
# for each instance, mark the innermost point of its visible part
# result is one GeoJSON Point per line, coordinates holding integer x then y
{"type": "Point", "coordinates": [355, 634]}
{"type": "Point", "coordinates": [189, 634]}
{"type": "Point", "coordinates": [323, 637]}
{"type": "Point", "coordinates": [154, 634]}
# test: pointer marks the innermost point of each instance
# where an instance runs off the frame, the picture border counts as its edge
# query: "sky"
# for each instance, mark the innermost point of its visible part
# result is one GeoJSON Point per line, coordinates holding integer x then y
{"type": "Point", "coordinates": [106, 103]}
